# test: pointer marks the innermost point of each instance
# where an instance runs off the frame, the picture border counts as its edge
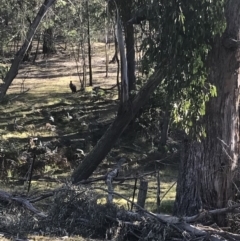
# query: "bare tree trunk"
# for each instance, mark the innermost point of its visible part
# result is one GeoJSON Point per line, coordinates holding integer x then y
{"type": "Point", "coordinates": [104, 145]}
{"type": "Point", "coordinates": [13, 71]}
{"type": "Point", "coordinates": [129, 38]}
{"type": "Point", "coordinates": [118, 83]}
{"type": "Point", "coordinates": [124, 77]}
{"type": "Point", "coordinates": [84, 65]}
{"type": "Point", "coordinates": [116, 59]}
{"type": "Point", "coordinates": [36, 52]}
{"type": "Point", "coordinates": [208, 167]}
{"type": "Point", "coordinates": [106, 38]}
{"type": "Point", "coordinates": [126, 10]}
{"type": "Point", "coordinates": [89, 47]}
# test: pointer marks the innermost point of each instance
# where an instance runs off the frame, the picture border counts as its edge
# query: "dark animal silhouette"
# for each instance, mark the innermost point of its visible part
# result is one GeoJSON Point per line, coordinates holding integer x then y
{"type": "Point", "coordinates": [73, 87]}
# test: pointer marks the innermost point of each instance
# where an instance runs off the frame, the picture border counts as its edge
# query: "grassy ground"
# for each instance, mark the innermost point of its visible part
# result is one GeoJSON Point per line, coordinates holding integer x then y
{"type": "Point", "coordinates": [49, 95]}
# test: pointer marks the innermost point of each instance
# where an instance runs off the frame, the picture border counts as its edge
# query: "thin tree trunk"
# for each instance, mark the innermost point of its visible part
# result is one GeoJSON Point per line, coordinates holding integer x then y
{"type": "Point", "coordinates": [118, 83]}
{"type": "Point", "coordinates": [129, 38]}
{"type": "Point", "coordinates": [124, 77]}
{"type": "Point", "coordinates": [36, 53]}
{"type": "Point", "coordinates": [158, 191]}
{"type": "Point", "coordinates": [106, 38]}
{"type": "Point", "coordinates": [127, 6]}
{"type": "Point", "coordinates": [104, 145]}
{"type": "Point", "coordinates": [89, 47]}
{"type": "Point", "coordinates": [208, 168]}
{"type": "Point", "coordinates": [13, 71]}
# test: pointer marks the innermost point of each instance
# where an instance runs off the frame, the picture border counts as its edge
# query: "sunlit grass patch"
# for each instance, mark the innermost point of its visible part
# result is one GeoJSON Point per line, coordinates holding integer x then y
{"type": "Point", "coordinates": [167, 195]}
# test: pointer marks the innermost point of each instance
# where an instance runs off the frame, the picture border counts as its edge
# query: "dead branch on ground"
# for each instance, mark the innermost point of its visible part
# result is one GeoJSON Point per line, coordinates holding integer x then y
{"type": "Point", "coordinates": [24, 202]}
{"type": "Point", "coordinates": [182, 224]}
{"type": "Point", "coordinates": [117, 179]}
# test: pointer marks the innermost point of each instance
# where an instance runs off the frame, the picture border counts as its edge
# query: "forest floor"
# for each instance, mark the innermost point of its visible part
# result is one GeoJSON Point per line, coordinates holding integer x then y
{"type": "Point", "coordinates": [49, 95]}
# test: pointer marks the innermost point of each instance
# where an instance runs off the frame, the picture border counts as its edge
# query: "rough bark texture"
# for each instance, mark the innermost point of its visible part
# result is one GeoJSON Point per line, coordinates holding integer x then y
{"type": "Point", "coordinates": [13, 71]}
{"type": "Point", "coordinates": [188, 200]}
{"type": "Point", "coordinates": [104, 145]}
{"type": "Point", "coordinates": [207, 168]}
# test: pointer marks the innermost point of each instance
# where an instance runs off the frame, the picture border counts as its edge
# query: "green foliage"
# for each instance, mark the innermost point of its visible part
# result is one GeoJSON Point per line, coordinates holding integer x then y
{"type": "Point", "coordinates": [71, 20]}
{"type": "Point", "coordinates": [67, 18]}
{"type": "Point", "coordinates": [183, 32]}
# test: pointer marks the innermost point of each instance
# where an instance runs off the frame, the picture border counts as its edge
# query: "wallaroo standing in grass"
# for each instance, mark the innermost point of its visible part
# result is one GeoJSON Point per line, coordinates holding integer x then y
{"type": "Point", "coordinates": [73, 87]}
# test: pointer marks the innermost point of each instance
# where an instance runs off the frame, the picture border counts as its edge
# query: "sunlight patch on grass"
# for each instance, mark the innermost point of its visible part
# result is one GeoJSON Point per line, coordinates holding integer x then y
{"type": "Point", "coordinates": [46, 238]}
{"type": "Point", "coordinates": [24, 135]}
{"type": "Point", "coordinates": [151, 200]}
{"type": "Point", "coordinates": [20, 135]}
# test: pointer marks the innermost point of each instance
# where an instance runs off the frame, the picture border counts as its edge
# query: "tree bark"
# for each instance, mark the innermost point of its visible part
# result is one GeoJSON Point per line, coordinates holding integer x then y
{"type": "Point", "coordinates": [208, 167]}
{"type": "Point", "coordinates": [104, 145]}
{"type": "Point", "coordinates": [126, 11]}
{"type": "Point", "coordinates": [188, 198]}
{"type": "Point", "coordinates": [124, 72]}
{"type": "Point", "coordinates": [13, 71]}
{"type": "Point", "coordinates": [48, 42]}
{"type": "Point", "coordinates": [89, 47]}
{"type": "Point", "coordinates": [142, 194]}
{"type": "Point", "coordinates": [130, 49]}
{"type": "Point", "coordinates": [106, 38]}
{"type": "Point", "coordinates": [165, 127]}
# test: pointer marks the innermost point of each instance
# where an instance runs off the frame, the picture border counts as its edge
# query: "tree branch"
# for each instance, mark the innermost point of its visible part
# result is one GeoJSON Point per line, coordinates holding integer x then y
{"type": "Point", "coordinates": [26, 203]}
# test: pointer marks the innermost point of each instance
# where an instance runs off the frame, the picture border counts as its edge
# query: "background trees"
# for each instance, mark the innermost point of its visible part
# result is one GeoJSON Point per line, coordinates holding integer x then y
{"type": "Point", "coordinates": [189, 61]}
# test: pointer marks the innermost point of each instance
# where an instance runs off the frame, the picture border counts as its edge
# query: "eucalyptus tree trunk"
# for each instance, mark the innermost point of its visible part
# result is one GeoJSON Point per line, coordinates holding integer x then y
{"type": "Point", "coordinates": [13, 71]}
{"type": "Point", "coordinates": [207, 168]}
{"type": "Point", "coordinates": [127, 6]}
{"type": "Point", "coordinates": [123, 59]}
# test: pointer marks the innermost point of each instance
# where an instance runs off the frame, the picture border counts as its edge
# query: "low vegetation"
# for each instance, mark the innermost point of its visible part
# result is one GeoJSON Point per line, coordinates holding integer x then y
{"type": "Point", "coordinates": [79, 120]}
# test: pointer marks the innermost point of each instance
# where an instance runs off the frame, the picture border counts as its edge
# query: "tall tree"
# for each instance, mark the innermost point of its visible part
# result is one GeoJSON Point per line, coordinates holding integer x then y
{"type": "Point", "coordinates": [126, 8]}
{"type": "Point", "coordinates": [208, 167]}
